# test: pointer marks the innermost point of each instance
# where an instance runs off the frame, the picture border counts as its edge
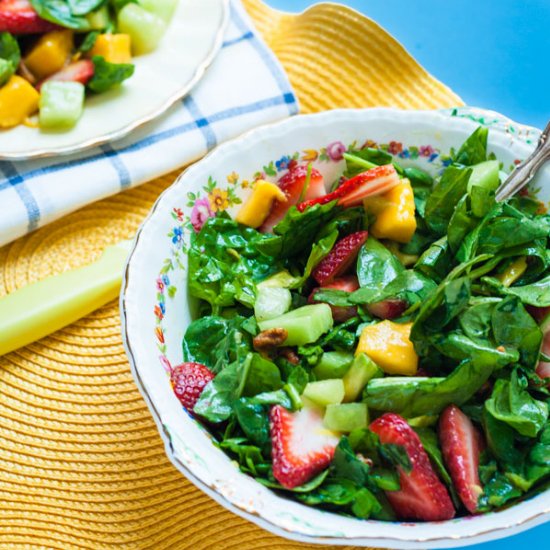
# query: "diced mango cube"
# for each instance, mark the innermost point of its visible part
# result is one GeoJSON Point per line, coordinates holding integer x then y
{"type": "Point", "coordinates": [115, 48]}
{"type": "Point", "coordinates": [50, 53]}
{"type": "Point", "coordinates": [513, 272]}
{"type": "Point", "coordinates": [256, 209]}
{"type": "Point", "coordinates": [388, 344]}
{"type": "Point", "coordinates": [394, 211]}
{"type": "Point", "coordinates": [18, 100]}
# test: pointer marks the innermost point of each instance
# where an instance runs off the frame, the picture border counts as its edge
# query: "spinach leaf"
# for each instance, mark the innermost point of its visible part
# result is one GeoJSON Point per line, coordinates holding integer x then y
{"type": "Point", "coordinates": [60, 12]}
{"type": "Point", "coordinates": [225, 262]}
{"type": "Point", "coordinates": [501, 440]}
{"type": "Point", "coordinates": [514, 327]}
{"type": "Point", "coordinates": [536, 294]}
{"type": "Point", "coordinates": [216, 401]}
{"type": "Point", "coordinates": [263, 376]}
{"type": "Point", "coordinates": [475, 321]}
{"type": "Point", "coordinates": [311, 485]}
{"type": "Point", "coordinates": [436, 261]}
{"type": "Point", "coordinates": [346, 464]}
{"type": "Point", "coordinates": [538, 460]}
{"type": "Point", "coordinates": [83, 7]}
{"type": "Point", "coordinates": [421, 183]}
{"type": "Point", "coordinates": [474, 149]}
{"type": "Point", "coordinates": [512, 404]}
{"type": "Point", "coordinates": [250, 458]}
{"type": "Point", "coordinates": [215, 341]}
{"type": "Point", "coordinates": [376, 267]}
{"type": "Point", "coordinates": [108, 75]}
{"type": "Point", "coordinates": [497, 492]}
{"type": "Point", "coordinates": [253, 419]}
{"type": "Point", "coordinates": [446, 194]}
{"type": "Point", "coordinates": [461, 223]}
{"type": "Point", "coordinates": [415, 396]}
{"type": "Point", "coordinates": [10, 56]}
{"type": "Point", "coordinates": [296, 232]}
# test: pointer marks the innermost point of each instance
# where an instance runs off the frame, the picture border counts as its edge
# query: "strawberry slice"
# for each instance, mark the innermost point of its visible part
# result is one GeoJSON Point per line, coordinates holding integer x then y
{"type": "Point", "coordinates": [387, 309]}
{"type": "Point", "coordinates": [80, 71]}
{"type": "Point", "coordinates": [188, 380]}
{"type": "Point", "coordinates": [19, 17]}
{"type": "Point", "coordinates": [301, 446]}
{"type": "Point", "coordinates": [340, 258]}
{"type": "Point", "coordinates": [421, 496]}
{"type": "Point", "coordinates": [461, 445]}
{"type": "Point", "coordinates": [352, 192]}
{"type": "Point", "coordinates": [292, 185]}
{"type": "Point", "coordinates": [346, 284]}
{"type": "Point", "coordinates": [538, 313]}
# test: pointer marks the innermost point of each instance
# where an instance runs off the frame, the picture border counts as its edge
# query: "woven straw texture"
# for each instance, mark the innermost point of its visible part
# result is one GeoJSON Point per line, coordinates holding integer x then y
{"type": "Point", "coordinates": [81, 463]}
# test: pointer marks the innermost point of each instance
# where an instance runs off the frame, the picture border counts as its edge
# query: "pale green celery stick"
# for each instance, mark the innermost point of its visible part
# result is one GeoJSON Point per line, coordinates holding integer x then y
{"type": "Point", "coordinates": [41, 308]}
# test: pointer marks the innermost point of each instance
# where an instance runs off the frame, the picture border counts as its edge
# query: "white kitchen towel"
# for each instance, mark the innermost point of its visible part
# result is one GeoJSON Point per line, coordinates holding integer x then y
{"type": "Point", "coordinates": [245, 87]}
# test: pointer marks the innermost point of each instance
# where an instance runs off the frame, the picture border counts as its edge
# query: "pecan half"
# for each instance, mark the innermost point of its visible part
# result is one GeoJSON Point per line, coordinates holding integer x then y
{"type": "Point", "coordinates": [269, 339]}
{"type": "Point", "coordinates": [290, 355]}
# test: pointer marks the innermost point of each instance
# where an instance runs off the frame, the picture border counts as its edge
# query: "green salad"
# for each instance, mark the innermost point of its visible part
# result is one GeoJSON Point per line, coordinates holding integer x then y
{"type": "Point", "coordinates": [379, 350]}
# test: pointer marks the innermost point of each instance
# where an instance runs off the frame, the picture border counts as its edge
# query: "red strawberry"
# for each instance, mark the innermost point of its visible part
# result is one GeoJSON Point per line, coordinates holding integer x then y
{"type": "Point", "coordinates": [340, 258]}
{"type": "Point", "coordinates": [421, 496]}
{"type": "Point", "coordinates": [346, 284]}
{"type": "Point", "coordinates": [292, 185]}
{"type": "Point", "coordinates": [301, 446]}
{"type": "Point", "coordinates": [538, 313]}
{"type": "Point", "coordinates": [80, 71]}
{"type": "Point", "coordinates": [387, 309]}
{"type": "Point", "coordinates": [19, 17]}
{"type": "Point", "coordinates": [352, 192]}
{"type": "Point", "coordinates": [188, 380]}
{"type": "Point", "coordinates": [461, 444]}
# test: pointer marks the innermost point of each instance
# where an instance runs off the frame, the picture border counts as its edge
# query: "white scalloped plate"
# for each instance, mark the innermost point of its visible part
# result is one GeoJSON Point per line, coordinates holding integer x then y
{"type": "Point", "coordinates": [156, 310]}
{"type": "Point", "coordinates": [161, 78]}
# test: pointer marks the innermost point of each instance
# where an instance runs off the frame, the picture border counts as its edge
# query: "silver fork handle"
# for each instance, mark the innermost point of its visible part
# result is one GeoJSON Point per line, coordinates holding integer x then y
{"type": "Point", "coordinates": [526, 171]}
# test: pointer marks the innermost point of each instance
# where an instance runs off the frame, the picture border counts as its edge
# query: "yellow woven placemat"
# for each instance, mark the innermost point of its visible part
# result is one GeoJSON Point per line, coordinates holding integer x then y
{"type": "Point", "coordinates": [81, 463]}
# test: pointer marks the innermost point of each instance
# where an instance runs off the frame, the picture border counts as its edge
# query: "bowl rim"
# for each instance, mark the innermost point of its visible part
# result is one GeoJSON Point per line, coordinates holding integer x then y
{"type": "Point", "coordinates": [501, 125]}
{"type": "Point", "coordinates": [116, 135]}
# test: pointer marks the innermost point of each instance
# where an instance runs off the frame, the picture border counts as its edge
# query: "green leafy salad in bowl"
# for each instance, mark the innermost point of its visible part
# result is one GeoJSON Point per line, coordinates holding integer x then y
{"type": "Point", "coordinates": [376, 346]}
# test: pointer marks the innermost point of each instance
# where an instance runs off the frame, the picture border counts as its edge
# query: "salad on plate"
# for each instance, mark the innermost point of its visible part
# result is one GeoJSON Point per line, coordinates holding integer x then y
{"type": "Point", "coordinates": [55, 52]}
{"type": "Point", "coordinates": [377, 346]}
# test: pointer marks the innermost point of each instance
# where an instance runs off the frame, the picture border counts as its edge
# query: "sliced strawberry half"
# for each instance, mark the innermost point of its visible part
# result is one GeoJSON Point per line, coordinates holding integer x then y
{"type": "Point", "coordinates": [461, 444]}
{"type": "Point", "coordinates": [188, 380]}
{"type": "Point", "coordinates": [301, 446]}
{"type": "Point", "coordinates": [292, 185]}
{"type": "Point", "coordinates": [19, 17]}
{"type": "Point", "coordinates": [340, 258]}
{"type": "Point", "coordinates": [388, 309]}
{"type": "Point", "coordinates": [352, 192]}
{"type": "Point", "coordinates": [422, 495]}
{"type": "Point", "coordinates": [80, 71]}
{"type": "Point", "coordinates": [346, 284]}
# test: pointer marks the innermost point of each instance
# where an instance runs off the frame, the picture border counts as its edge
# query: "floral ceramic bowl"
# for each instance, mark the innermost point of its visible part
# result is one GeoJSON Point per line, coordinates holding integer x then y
{"type": "Point", "coordinates": [156, 308]}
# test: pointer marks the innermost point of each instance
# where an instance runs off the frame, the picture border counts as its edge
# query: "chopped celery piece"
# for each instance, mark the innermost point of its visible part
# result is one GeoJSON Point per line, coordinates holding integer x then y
{"type": "Point", "coordinates": [145, 28]}
{"type": "Point", "coordinates": [61, 104]}
{"type": "Point", "coordinates": [333, 364]}
{"type": "Point", "coordinates": [362, 370]}
{"type": "Point", "coordinates": [163, 8]}
{"type": "Point", "coordinates": [304, 325]}
{"type": "Point", "coordinates": [271, 303]}
{"type": "Point", "coordinates": [346, 417]}
{"type": "Point", "coordinates": [325, 392]}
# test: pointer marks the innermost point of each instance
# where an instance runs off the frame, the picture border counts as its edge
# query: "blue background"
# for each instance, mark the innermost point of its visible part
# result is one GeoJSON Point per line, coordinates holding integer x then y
{"type": "Point", "coordinates": [494, 54]}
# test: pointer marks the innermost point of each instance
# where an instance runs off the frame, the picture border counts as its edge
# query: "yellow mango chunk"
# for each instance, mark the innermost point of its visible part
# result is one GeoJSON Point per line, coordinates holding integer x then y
{"type": "Point", "coordinates": [388, 344]}
{"type": "Point", "coordinates": [18, 100]}
{"type": "Point", "coordinates": [513, 272]}
{"type": "Point", "coordinates": [50, 53]}
{"type": "Point", "coordinates": [256, 209]}
{"type": "Point", "coordinates": [115, 48]}
{"type": "Point", "coordinates": [394, 213]}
